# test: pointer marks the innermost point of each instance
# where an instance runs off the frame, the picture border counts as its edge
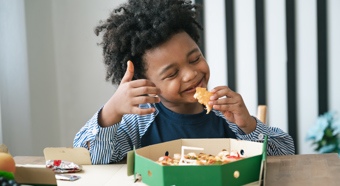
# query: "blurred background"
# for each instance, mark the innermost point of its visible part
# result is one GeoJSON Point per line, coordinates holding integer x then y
{"type": "Point", "coordinates": [281, 53]}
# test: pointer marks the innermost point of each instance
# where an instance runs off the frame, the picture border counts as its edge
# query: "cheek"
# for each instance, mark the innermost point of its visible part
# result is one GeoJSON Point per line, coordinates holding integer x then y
{"type": "Point", "coordinates": [170, 89]}
{"type": "Point", "coordinates": [205, 69]}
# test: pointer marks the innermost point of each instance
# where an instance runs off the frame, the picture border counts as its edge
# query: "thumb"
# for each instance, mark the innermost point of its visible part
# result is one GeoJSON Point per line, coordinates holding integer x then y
{"type": "Point", "coordinates": [129, 73]}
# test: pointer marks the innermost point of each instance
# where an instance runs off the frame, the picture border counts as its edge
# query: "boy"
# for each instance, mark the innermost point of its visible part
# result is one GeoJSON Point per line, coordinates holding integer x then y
{"type": "Point", "coordinates": [160, 38]}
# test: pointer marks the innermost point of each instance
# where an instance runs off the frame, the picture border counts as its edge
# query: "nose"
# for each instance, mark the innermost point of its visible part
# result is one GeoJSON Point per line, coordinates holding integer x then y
{"type": "Point", "coordinates": [189, 74]}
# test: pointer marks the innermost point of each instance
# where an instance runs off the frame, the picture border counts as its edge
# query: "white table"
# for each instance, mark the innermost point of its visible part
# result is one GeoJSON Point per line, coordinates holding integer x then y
{"type": "Point", "coordinates": [112, 174]}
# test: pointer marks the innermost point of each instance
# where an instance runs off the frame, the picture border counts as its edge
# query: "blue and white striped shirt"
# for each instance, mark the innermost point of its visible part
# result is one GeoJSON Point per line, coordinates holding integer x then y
{"type": "Point", "coordinates": [110, 144]}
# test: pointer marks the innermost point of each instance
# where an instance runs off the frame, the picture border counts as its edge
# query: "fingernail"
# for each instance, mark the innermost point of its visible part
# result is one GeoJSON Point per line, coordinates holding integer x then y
{"type": "Point", "coordinates": [210, 102]}
{"type": "Point", "coordinates": [129, 66]}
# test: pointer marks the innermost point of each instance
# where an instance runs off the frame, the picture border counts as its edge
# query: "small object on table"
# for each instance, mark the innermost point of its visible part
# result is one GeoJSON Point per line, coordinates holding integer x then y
{"type": "Point", "coordinates": [66, 177]}
{"type": "Point", "coordinates": [60, 166]}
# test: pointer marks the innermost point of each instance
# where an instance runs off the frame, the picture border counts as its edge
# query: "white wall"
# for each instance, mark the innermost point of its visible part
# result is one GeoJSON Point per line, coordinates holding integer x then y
{"type": "Point", "coordinates": [276, 63]}
{"type": "Point", "coordinates": [334, 54]}
{"type": "Point", "coordinates": [215, 45]}
{"type": "Point", "coordinates": [52, 73]}
{"type": "Point", "coordinates": [42, 75]}
{"type": "Point", "coordinates": [306, 69]}
{"type": "Point", "coordinates": [14, 84]}
{"type": "Point", "coordinates": [80, 70]}
{"type": "Point", "coordinates": [245, 45]}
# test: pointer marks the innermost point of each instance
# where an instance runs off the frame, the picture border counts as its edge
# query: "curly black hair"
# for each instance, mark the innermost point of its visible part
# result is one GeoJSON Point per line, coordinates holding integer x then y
{"type": "Point", "coordinates": [140, 25]}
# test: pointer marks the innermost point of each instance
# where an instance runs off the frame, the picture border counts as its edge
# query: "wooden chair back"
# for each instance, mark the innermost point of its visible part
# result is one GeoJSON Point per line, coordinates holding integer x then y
{"type": "Point", "coordinates": [262, 113]}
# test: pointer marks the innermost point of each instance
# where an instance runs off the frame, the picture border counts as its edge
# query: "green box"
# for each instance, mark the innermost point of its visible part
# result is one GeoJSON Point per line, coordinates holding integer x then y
{"type": "Point", "coordinates": [250, 169]}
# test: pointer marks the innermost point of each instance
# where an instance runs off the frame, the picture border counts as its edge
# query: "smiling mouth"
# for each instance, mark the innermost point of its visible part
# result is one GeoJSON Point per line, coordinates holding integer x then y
{"type": "Point", "coordinates": [193, 88]}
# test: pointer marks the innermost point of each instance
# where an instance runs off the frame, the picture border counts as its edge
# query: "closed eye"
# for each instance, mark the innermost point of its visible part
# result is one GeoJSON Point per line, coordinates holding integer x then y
{"type": "Point", "coordinates": [197, 59]}
{"type": "Point", "coordinates": [173, 75]}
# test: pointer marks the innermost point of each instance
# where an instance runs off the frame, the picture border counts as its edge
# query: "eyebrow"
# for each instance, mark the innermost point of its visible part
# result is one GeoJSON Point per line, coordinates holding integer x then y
{"type": "Point", "coordinates": [173, 64]}
{"type": "Point", "coordinates": [192, 51]}
{"type": "Point", "coordinates": [167, 68]}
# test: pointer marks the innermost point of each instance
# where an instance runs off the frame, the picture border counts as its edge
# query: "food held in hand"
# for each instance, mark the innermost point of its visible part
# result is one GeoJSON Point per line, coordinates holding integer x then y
{"type": "Point", "coordinates": [7, 162]}
{"type": "Point", "coordinates": [203, 97]}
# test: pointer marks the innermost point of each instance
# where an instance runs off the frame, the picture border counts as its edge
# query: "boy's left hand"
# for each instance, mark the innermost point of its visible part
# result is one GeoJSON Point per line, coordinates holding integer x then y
{"type": "Point", "coordinates": [233, 108]}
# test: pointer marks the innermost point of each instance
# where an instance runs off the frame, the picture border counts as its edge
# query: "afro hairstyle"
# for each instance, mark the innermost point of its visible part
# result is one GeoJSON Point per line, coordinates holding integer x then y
{"type": "Point", "coordinates": [140, 25]}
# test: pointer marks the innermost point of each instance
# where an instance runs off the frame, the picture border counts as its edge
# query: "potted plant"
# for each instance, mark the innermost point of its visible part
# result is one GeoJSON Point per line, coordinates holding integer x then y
{"type": "Point", "coordinates": [325, 133]}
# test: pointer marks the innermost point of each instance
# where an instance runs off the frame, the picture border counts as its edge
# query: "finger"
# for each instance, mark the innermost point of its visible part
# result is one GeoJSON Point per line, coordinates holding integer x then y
{"type": "Point", "coordinates": [218, 88]}
{"type": "Point", "coordinates": [144, 99]}
{"type": "Point", "coordinates": [141, 111]}
{"type": "Point", "coordinates": [227, 107]}
{"type": "Point", "coordinates": [228, 114]}
{"type": "Point", "coordinates": [223, 101]}
{"type": "Point", "coordinates": [129, 73]}
{"type": "Point", "coordinates": [145, 90]}
{"type": "Point", "coordinates": [141, 83]}
{"type": "Point", "coordinates": [222, 91]}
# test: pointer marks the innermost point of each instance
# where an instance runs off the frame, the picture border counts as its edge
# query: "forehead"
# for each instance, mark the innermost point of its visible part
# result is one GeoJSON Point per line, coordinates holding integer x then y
{"type": "Point", "coordinates": [173, 50]}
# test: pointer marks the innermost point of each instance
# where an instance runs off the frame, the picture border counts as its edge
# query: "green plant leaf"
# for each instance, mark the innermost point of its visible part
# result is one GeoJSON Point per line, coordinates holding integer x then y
{"type": "Point", "coordinates": [328, 132]}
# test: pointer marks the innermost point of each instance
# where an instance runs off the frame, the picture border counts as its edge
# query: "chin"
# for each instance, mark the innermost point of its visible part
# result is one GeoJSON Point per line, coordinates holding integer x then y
{"type": "Point", "coordinates": [191, 99]}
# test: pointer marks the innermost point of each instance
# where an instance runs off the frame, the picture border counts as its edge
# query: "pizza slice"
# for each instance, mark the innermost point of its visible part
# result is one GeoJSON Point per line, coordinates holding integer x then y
{"type": "Point", "coordinates": [203, 97]}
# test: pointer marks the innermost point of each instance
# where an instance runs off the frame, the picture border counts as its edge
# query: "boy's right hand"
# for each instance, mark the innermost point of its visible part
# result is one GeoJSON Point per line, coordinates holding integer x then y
{"type": "Point", "coordinates": [127, 98]}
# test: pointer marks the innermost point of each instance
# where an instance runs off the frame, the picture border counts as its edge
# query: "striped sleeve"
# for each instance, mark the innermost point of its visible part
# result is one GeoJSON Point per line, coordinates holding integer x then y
{"type": "Point", "coordinates": [102, 140]}
{"type": "Point", "coordinates": [279, 142]}
{"type": "Point", "coordinates": [110, 144]}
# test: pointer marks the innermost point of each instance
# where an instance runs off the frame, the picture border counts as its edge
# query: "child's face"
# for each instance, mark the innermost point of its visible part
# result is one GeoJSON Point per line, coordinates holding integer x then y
{"type": "Point", "coordinates": [177, 67]}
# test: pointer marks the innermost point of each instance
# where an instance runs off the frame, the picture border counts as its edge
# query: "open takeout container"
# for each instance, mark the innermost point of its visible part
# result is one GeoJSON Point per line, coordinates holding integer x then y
{"type": "Point", "coordinates": [244, 171]}
{"type": "Point", "coordinates": [39, 175]}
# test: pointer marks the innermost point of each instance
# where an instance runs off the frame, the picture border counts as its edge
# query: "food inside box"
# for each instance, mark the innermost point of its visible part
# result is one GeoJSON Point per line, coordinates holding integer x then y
{"type": "Point", "coordinates": [240, 162]}
{"type": "Point", "coordinates": [192, 158]}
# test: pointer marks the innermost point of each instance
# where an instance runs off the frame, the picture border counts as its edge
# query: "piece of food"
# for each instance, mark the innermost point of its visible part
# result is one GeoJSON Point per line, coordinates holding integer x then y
{"type": "Point", "coordinates": [165, 160]}
{"type": "Point", "coordinates": [234, 156]}
{"type": "Point", "coordinates": [7, 162]}
{"type": "Point", "coordinates": [203, 97]}
{"type": "Point", "coordinates": [177, 156]}
{"type": "Point", "coordinates": [223, 153]}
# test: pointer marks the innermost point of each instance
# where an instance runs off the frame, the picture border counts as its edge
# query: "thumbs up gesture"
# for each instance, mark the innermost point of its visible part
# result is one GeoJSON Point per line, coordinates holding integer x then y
{"type": "Point", "coordinates": [127, 98]}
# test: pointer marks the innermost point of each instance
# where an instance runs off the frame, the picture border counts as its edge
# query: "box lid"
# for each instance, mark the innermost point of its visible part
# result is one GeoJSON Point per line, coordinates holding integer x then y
{"type": "Point", "coordinates": [77, 155]}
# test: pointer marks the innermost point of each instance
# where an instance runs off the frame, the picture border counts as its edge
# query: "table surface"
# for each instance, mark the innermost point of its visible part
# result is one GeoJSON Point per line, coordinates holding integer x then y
{"type": "Point", "coordinates": [310, 169]}
{"type": "Point", "coordinates": [111, 174]}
